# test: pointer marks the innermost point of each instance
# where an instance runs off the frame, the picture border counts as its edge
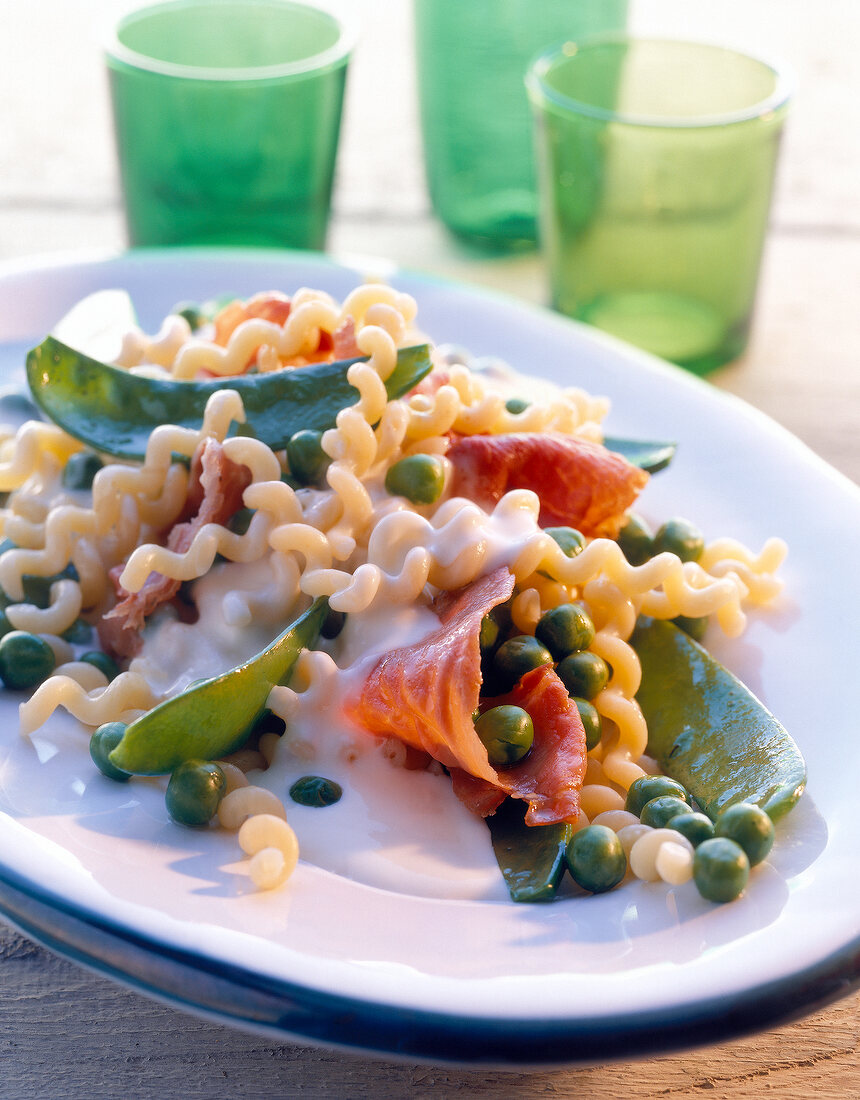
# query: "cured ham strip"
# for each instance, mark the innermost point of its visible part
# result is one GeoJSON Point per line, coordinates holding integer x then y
{"type": "Point", "coordinates": [550, 777]}
{"type": "Point", "coordinates": [343, 341]}
{"type": "Point", "coordinates": [425, 694]}
{"type": "Point", "coordinates": [431, 383]}
{"type": "Point", "coordinates": [579, 483]}
{"type": "Point", "coordinates": [214, 495]}
{"type": "Point", "coordinates": [276, 307]}
{"type": "Point", "coordinates": [272, 307]}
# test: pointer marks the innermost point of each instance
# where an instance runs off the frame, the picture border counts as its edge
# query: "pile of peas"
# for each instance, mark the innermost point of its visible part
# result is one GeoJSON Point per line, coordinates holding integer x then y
{"type": "Point", "coordinates": [725, 851]}
{"type": "Point", "coordinates": [562, 638]}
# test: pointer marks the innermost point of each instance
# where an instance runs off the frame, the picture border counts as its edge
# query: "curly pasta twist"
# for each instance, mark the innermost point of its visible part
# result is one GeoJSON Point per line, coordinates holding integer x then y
{"type": "Point", "coordinates": [34, 445]}
{"type": "Point", "coordinates": [129, 691]}
{"type": "Point", "coordinates": [273, 849]}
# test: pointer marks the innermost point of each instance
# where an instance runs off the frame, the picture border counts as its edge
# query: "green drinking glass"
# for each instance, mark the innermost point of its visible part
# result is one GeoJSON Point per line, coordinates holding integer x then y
{"type": "Point", "coordinates": [471, 57]}
{"type": "Point", "coordinates": [227, 116]}
{"type": "Point", "coordinates": [656, 166]}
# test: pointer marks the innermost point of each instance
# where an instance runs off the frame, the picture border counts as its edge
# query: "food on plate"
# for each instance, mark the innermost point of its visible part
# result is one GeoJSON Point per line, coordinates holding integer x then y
{"type": "Point", "coordinates": [303, 535]}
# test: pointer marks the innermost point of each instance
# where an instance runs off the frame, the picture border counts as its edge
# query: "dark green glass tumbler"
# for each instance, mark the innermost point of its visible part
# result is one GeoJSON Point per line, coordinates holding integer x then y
{"type": "Point", "coordinates": [227, 116]}
{"type": "Point", "coordinates": [471, 57]}
{"type": "Point", "coordinates": [656, 165]}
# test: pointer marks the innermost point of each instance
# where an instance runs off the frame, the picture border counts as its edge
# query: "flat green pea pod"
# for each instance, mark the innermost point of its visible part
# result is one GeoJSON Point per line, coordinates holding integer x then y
{"type": "Point", "coordinates": [115, 412]}
{"type": "Point", "coordinates": [215, 717]}
{"type": "Point", "coordinates": [530, 857]}
{"type": "Point", "coordinates": [708, 731]}
{"type": "Point", "coordinates": [645, 454]}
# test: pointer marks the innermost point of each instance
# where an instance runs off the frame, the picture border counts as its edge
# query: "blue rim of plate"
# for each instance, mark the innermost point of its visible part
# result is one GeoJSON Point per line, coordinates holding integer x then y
{"type": "Point", "coordinates": [239, 996]}
{"type": "Point", "coordinates": [233, 995]}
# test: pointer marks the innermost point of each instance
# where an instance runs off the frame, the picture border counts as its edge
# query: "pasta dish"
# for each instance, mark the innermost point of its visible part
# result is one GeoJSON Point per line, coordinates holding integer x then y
{"type": "Point", "coordinates": [450, 563]}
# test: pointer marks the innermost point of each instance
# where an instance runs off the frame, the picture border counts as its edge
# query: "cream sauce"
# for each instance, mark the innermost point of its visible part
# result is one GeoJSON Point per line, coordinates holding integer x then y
{"type": "Point", "coordinates": [392, 829]}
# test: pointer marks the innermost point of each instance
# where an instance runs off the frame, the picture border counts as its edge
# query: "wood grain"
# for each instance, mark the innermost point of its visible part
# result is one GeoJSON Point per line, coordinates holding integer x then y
{"type": "Point", "coordinates": [66, 1033]}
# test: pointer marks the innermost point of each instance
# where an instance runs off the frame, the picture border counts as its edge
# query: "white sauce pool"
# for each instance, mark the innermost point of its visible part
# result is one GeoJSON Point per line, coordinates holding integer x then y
{"type": "Point", "coordinates": [393, 829]}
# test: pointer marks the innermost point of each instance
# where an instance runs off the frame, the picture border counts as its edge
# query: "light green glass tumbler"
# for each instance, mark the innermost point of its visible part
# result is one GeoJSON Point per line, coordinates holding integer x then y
{"type": "Point", "coordinates": [478, 147]}
{"type": "Point", "coordinates": [227, 116]}
{"type": "Point", "coordinates": [657, 161]}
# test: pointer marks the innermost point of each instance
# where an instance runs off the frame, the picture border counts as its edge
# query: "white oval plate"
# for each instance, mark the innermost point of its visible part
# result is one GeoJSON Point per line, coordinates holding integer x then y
{"type": "Point", "coordinates": [96, 870]}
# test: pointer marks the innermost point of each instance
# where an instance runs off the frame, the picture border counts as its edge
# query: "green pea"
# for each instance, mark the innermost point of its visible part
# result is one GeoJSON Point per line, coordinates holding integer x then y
{"type": "Point", "coordinates": [646, 787]}
{"type": "Point", "coordinates": [500, 616]}
{"type": "Point", "coordinates": [101, 661]}
{"type": "Point", "coordinates": [419, 478]}
{"type": "Point", "coordinates": [268, 722]}
{"type": "Point", "coordinates": [25, 660]}
{"type": "Point", "coordinates": [517, 405]}
{"type": "Point", "coordinates": [308, 461]}
{"type": "Point", "coordinates": [240, 521]}
{"type": "Point", "coordinates": [5, 626]}
{"type": "Point", "coordinates": [192, 313]}
{"type": "Point", "coordinates": [507, 732]}
{"type": "Point", "coordinates": [315, 790]}
{"type": "Point", "coordinates": [16, 409]}
{"type": "Point", "coordinates": [693, 627]}
{"type": "Point", "coordinates": [79, 633]}
{"type": "Point", "coordinates": [658, 812]}
{"type": "Point", "coordinates": [81, 468]}
{"type": "Point", "coordinates": [748, 825]}
{"type": "Point", "coordinates": [636, 540]}
{"type": "Point", "coordinates": [595, 859]}
{"type": "Point", "coordinates": [194, 792]}
{"type": "Point", "coordinates": [721, 869]}
{"type": "Point", "coordinates": [571, 541]}
{"type": "Point", "coordinates": [37, 590]}
{"type": "Point", "coordinates": [584, 675]}
{"type": "Point", "coordinates": [591, 723]}
{"type": "Point", "coordinates": [514, 658]}
{"type": "Point", "coordinates": [494, 627]}
{"type": "Point", "coordinates": [695, 827]}
{"type": "Point", "coordinates": [680, 537]}
{"type": "Point", "coordinates": [488, 636]}
{"type": "Point", "coordinates": [565, 629]}
{"type": "Point", "coordinates": [334, 623]}
{"type": "Point", "coordinates": [102, 743]}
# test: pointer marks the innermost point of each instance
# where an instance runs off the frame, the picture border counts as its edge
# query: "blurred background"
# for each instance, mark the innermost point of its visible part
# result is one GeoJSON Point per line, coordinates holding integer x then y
{"type": "Point", "coordinates": [57, 158]}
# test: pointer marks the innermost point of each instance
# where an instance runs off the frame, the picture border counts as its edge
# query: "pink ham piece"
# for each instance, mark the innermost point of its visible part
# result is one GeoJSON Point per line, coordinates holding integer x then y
{"type": "Point", "coordinates": [215, 493]}
{"type": "Point", "coordinates": [426, 694]}
{"type": "Point", "coordinates": [343, 341]}
{"type": "Point", "coordinates": [580, 484]}
{"type": "Point", "coordinates": [275, 307]}
{"type": "Point", "coordinates": [550, 777]}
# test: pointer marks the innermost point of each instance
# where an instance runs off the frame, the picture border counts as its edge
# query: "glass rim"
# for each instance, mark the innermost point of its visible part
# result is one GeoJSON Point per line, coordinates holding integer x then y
{"type": "Point", "coordinates": [327, 59]}
{"type": "Point", "coordinates": [542, 94]}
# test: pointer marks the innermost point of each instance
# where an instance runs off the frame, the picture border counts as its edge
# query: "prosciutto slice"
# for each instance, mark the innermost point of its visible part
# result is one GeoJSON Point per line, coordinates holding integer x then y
{"type": "Point", "coordinates": [275, 307]}
{"type": "Point", "coordinates": [426, 695]}
{"type": "Point", "coordinates": [214, 495]}
{"type": "Point", "coordinates": [550, 777]}
{"type": "Point", "coordinates": [579, 483]}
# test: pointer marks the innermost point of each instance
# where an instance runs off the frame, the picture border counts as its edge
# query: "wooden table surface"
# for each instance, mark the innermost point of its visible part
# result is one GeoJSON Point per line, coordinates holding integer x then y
{"type": "Point", "coordinates": [65, 1032]}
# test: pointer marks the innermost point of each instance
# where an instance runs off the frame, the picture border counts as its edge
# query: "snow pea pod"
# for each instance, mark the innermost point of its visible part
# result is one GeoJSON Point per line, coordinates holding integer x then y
{"type": "Point", "coordinates": [530, 857]}
{"type": "Point", "coordinates": [708, 731]}
{"type": "Point", "coordinates": [114, 412]}
{"type": "Point", "coordinates": [215, 717]}
{"type": "Point", "coordinates": [648, 456]}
